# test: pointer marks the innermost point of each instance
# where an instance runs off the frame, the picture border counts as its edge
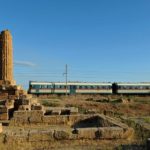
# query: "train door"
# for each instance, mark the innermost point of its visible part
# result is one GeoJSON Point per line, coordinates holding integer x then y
{"type": "Point", "coordinates": [73, 89]}
{"type": "Point", "coordinates": [114, 88]}
{"type": "Point", "coordinates": [53, 88]}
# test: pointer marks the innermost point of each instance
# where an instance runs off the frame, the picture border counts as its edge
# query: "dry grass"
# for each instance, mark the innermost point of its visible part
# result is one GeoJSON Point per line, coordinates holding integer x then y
{"type": "Point", "coordinates": [103, 104]}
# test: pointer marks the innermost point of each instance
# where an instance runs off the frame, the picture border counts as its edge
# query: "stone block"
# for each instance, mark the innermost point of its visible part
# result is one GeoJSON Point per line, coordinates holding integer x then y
{"type": "Point", "coordinates": [87, 133]}
{"type": "Point", "coordinates": [36, 107]}
{"type": "Point", "coordinates": [3, 109]}
{"type": "Point", "coordinates": [73, 111]}
{"type": "Point", "coordinates": [61, 135]}
{"type": "Point", "coordinates": [4, 116]}
{"type": "Point", "coordinates": [56, 112]}
{"type": "Point", "coordinates": [9, 103]}
{"type": "Point", "coordinates": [27, 117]}
{"type": "Point", "coordinates": [35, 116]}
{"type": "Point", "coordinates": [36, 135]}
{"type": "Point", "coordinates": [55, 120]}
{"type": "Point", "coordinates": [110, 133]}
{"type": "Point", "coordinates": [24, 107]}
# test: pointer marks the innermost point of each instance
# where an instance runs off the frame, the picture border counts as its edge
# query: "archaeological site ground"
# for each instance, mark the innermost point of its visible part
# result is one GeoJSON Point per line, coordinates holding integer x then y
{"type": "Point", "coordinates": [89, 122]}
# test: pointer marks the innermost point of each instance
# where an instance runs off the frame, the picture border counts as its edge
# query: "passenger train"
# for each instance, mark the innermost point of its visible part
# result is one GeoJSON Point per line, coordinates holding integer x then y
{"type": "Point", "coordinates": [43, 88]}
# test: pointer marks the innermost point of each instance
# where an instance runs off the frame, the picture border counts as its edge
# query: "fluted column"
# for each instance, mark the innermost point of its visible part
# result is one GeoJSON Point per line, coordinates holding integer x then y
{"type": "Point", "coordinates": [6, 56]}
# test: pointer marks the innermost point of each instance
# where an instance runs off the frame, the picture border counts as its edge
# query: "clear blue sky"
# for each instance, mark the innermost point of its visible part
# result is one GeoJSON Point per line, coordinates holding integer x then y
{"type": "Point", "coordinates": [100, 40]}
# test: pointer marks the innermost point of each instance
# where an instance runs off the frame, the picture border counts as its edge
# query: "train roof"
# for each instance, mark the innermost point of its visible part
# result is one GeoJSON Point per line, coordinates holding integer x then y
{"type": "Point", "coordinates": [91, 83]}
{"type": "Point", "coordinates": [69, 83]}
{"type": "Point", "coordinates": [134, 83]}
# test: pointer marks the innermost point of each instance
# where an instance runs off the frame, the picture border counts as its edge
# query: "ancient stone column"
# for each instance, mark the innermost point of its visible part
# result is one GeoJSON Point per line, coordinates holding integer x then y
{"type": "Point", "coordinates": [6, 57]}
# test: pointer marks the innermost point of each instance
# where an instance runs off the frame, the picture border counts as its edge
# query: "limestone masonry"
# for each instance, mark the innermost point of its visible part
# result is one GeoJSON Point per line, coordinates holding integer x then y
{"type": "Point", "coordinates": [6, 57]}
{"type": "Point", "coordinates": [11, 95]}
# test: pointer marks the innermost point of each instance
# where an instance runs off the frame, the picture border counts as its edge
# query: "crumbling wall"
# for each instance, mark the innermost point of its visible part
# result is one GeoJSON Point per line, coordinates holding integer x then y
{"type": "Point", "coordinates": [33, 117]}
{"type": "Point", "coordinates": [35, 135]}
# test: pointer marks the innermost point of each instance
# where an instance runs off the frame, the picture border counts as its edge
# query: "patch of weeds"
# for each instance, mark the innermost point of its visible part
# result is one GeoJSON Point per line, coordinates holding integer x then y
{"type": "Point", "coordinates": [2, 102]}
{"type": "Point", "coordinates": [118, 114]}
{"type": "Point", "coordinates": [103, 100]}
{"type": "Point", "coordinates": [89, 99]}
{"type": "Point", "coordinates": [50, 104]}
{"type": "Point", "coordinates": [147, 120]}
{"type": "Point", "coordinates": [133, 106]}
{"type": "Point", "coordinates": [69, 105]}
{"type": "Point", "coordinates": [119, 147]}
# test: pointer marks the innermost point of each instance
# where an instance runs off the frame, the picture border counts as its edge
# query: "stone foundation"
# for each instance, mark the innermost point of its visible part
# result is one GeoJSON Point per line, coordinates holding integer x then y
{"type": "Point", "coordinates": [71, 127]}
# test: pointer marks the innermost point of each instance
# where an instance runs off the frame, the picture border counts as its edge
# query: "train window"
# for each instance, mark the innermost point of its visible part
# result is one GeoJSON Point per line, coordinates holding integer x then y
{"type": "Point", "coordinates": [77, 87]}
{"type": "Point", "coordinates": [49, 86]}
{"type": "Point", "coordinates": [92, 87]}
{"type": "Point", "coordinates": [97, 87]}
{"type": "Point", "coordinates": [36, 86]}
{"type": "Point", "coordinates": [85, 87]}
{"type": "Point", "coordinates": [43, 86]}
{"type": "Point", "coordinates": [74, 87]}
{"type": "Point", "coordinates": [80, 87]}
{"type": "Point", "coordinates": [59, 86]}
{"type": "Point", "coordinates": [89, 87]}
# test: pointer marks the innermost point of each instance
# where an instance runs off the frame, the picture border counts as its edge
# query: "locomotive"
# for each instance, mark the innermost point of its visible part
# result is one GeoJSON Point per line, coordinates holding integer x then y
{"type": "Point", "coordinates": [69, 88]}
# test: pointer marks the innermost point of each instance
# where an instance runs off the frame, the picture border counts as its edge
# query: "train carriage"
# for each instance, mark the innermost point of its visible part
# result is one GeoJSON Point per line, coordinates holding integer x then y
{"type": "Point", "coordinates": [71, 88]}
{"type": "Point", "coordinates": [38, 88]}
{"type": "Point", "coordinates": [133, 88]}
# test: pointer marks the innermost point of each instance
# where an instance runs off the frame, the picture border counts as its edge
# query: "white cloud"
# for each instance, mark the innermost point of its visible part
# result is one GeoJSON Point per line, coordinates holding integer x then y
{"type": "Point", "coordinates": [24, 63]}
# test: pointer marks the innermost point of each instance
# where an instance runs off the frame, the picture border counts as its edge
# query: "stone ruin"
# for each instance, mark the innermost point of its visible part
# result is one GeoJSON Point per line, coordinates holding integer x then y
{"type": "Point", "coordinates": [11, 95]}
{"type": "Point", "coordinates": [70, 126]}
{"type": "Point", "coordinates": [28, 121]}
